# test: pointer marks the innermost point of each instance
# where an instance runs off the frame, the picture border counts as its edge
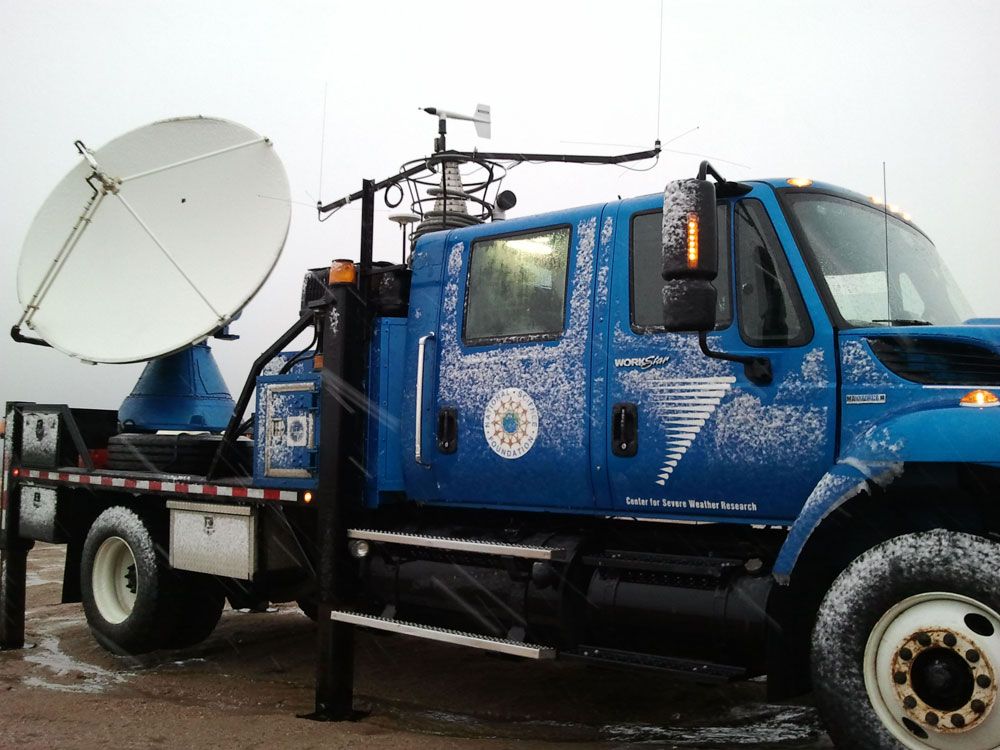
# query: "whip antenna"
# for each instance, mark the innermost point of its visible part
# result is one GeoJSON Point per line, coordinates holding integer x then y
{"type": "Point", "coordinates": [885, 213]}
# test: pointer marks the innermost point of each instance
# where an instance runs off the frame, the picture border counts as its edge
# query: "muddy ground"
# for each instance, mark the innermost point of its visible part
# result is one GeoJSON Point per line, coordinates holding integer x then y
{"type": "Point", "coordinates": [243, 687]}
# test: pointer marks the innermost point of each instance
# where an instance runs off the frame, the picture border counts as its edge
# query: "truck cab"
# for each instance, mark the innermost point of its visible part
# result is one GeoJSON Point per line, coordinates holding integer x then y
{"type": "Point", "coordinates": [546, 361]}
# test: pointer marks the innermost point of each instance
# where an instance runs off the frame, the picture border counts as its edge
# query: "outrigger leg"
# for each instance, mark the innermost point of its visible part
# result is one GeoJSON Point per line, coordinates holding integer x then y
{"type": "Point", "coordinates": [13, 549]}
{"type": "Point", "coordinates": [342, 407]}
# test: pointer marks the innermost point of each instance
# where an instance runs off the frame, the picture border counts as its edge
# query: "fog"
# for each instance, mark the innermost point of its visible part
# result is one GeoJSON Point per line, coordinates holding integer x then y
{"type": "Point", "coordinates": [829, 90]}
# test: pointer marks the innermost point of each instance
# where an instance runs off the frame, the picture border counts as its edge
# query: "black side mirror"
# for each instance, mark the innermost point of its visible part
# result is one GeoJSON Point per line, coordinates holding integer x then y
{"type": "Point", "coordinates": [690, 255]}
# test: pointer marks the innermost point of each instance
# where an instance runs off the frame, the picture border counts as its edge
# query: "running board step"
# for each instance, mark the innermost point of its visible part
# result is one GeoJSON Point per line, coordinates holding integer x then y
{"type": "Point", "coordinates": [687, 668]}
{"type": "Point", "coordinates": [455, 637]}
{"type": "Point", "coordinates": [479, 546]}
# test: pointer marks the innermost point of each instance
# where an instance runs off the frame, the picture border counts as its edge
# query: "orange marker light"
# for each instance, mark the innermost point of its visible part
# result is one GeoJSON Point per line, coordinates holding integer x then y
{"type": "Point", "coordinates": [3, 427]}
{"type": "Point", "coordinates": [16, 472]}
{"type": "Point", "coordinates": [307, 497]}
{"type": "Point", "coordinates": [343, 272]}
{"type": "Point", "coordinates": [980, 398]}
{"type": "Point", "coordinates": [800, 182]}
{"type": "Point", "coordinates": [692, 241]}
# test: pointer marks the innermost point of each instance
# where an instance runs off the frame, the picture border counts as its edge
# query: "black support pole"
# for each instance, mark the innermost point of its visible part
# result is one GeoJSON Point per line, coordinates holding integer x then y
{"type": "Point", "coordinates": [13, 549]}
{"type": "Point", "coordinates": [367, 239]}
{"type": "Point", "coordinates": [342, 405]}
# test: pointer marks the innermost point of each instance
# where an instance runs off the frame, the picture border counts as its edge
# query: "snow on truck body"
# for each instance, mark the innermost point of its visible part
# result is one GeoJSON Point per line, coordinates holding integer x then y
{"type": "Point", "coordinates": [528, 410]}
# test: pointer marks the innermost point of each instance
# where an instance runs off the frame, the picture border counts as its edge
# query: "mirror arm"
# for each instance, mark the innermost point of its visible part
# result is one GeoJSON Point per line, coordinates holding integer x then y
{"type": "Point", "coordinates": [757, 369]}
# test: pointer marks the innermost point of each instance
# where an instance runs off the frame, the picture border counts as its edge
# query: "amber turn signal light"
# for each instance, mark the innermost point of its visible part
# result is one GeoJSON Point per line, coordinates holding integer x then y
{"type": "Point", "coordinates": [980, 397]}
{"type": "Point", "coordinates": [692, 241]}
{"type": "Point", "coordinates": [343, 272]}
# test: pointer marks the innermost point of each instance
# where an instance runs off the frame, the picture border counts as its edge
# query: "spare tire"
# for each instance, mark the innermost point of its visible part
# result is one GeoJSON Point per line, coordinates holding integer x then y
{"type": "Point", "coordinates": [174, 454]}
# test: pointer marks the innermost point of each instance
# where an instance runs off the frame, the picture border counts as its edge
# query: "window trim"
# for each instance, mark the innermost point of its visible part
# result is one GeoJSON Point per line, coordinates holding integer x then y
{"type": "Point", "coordinates": [642, 330]}
{"type": "Point", "coordinates": [798, 300]}
{"type": "Point", "coordinates": [520, 338]}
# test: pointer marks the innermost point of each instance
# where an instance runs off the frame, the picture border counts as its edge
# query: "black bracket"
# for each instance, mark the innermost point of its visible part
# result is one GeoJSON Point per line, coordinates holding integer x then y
{"type": "Point", "coordinates": [757, 369]}
{"type": "Point", "coordinates": [15, 333]}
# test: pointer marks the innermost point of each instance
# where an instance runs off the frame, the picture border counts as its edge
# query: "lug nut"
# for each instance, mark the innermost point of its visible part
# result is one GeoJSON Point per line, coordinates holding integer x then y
{"type": "Point", "coordinates": [900, 678]}
{"type": "Point", "coordinates": [931, 718]}
{"type": "Point", "coordinates": [910, 702]}
{"type": "Point", "coordinates": [905, 654]}
{"type": "Point", "coordinates": [950, 640]}
{"type": "Point", "coordinates": [923, 639]}
{"type": "Point", "coordinates": [957, 720]}
{"type": "Point", "coordinates": [972, 655]}
{"type": "Point", "coordinates": [983, 681]}
{"type": "Point", "coordinates": [978, 706]}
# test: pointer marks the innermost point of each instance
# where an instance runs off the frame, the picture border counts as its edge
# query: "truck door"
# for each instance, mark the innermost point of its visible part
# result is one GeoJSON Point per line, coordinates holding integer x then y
{"type": "Point", "coordinates": [512, 392]}
{"type": "Point", "coordinates": [689, 436]}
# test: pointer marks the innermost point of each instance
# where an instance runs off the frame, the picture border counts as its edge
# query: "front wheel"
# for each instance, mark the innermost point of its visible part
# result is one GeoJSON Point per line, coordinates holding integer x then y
{"type": "Point", "coordinates": [906, 646]}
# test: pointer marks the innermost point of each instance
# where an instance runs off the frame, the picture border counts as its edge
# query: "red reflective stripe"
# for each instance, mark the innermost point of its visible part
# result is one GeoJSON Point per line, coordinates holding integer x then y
{"type": "Point", "coordinates": [155, 486]}
{"type": "Point", "coordinates": [181, 487]}
{"type": "Point", "coordinates": [272, 494]}
{"type": "Point", "coordinates": [239, 491]}
{"type": "Point", "coordinates": [130, 483]}
{"type": "Point", "coordinates": [210, 489]}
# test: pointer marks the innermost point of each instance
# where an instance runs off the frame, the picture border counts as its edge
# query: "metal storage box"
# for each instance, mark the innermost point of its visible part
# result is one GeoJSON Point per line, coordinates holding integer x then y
{"type": "Point", "coordinates": [38, 516]}
{"type": "Point", "coordinates": [213, 539]}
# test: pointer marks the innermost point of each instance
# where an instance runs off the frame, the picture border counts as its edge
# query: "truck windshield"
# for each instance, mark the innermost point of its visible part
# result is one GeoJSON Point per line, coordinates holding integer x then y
{"type": "Point", "coordinates": [849, 241]}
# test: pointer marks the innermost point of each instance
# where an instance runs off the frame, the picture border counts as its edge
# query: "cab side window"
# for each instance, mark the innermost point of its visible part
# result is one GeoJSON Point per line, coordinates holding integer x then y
{"type": "Point", "coordinates": [516, 287]}
{"type": "Point", "coordinates": [646, 280]}
{"type": "Point", "coordinates": [770, 307]}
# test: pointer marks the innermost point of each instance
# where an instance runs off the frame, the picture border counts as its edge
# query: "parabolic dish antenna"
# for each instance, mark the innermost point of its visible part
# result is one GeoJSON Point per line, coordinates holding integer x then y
{"type": "Point", "coordinates": [155, 241]}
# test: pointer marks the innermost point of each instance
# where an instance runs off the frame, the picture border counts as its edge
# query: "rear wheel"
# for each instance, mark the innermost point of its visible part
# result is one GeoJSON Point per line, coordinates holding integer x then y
{"type": "Point", "coordinates": [126, 584]}
{"type": "Point", "coordinates": [906, 647]}
{"type": "Point", "coordinates": [200, 601]}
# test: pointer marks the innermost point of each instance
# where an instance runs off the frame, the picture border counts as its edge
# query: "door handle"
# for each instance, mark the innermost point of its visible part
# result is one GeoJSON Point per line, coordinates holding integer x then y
{"type": "Point", "coordinates": [447, 430]}
{"type": "Point", "coordinates": [625, 430]}
{"type": "Point", "coordinates": [419, 419]}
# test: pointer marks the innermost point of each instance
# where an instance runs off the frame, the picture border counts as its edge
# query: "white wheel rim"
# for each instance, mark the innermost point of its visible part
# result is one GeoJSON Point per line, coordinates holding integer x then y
{"type": "Point", "coordinates": [915, 668]}
{"type": "Point", "coordinates": [115, 579]}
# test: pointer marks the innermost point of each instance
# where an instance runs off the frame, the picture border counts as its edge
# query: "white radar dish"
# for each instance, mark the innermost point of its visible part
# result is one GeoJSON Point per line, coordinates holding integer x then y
{"type": "Point", "coordinates": [155, 241]}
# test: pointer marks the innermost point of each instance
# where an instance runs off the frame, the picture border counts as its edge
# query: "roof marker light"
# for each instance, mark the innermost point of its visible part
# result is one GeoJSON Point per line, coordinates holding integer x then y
{"type": "Point", "coordinates": [980, 398]}
{"type": "Point", "coordinates": [799, 182]}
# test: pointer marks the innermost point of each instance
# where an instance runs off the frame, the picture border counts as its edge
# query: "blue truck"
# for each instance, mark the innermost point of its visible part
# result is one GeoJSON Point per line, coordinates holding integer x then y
{"type": "Point", "coordinates": [731, 430]}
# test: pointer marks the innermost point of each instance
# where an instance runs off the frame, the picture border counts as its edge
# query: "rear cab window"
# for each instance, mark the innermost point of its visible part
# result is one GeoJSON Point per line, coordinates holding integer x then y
{"type": "Point", "coordinates": [516, 287]}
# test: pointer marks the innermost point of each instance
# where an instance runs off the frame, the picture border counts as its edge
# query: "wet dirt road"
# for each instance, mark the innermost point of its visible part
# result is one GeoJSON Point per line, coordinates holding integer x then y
{"type": "Point", "coordinates": [243, 687]}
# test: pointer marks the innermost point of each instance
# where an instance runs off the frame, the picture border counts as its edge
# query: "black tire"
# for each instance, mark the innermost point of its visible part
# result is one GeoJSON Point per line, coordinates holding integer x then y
{"type": "Point", "coordinates": [179, 454]}
{"type": "Point", "coordinates": [146, 624]}
{"type": "Point", "coordinates": [862, 603]}
{"type": "Point", "coordinates": [310, 608]}
{"type": "Point", "coordinates": [200, 601]}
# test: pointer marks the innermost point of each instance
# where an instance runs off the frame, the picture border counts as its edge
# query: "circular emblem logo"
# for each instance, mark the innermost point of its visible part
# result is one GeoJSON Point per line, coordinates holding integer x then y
{"type": "Point", "coordinates": [510, 423]}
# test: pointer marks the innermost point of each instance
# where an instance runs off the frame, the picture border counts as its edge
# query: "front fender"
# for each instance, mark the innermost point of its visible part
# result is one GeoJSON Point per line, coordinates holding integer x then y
{"type": "Point", "coordinates": [946, 435]}
{"type": "Point", "coordinates": [841, 483]}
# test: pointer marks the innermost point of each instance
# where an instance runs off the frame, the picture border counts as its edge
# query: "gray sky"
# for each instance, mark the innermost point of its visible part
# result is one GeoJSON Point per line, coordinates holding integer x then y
{"type": "Point", "coordinates": [823, 89]}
